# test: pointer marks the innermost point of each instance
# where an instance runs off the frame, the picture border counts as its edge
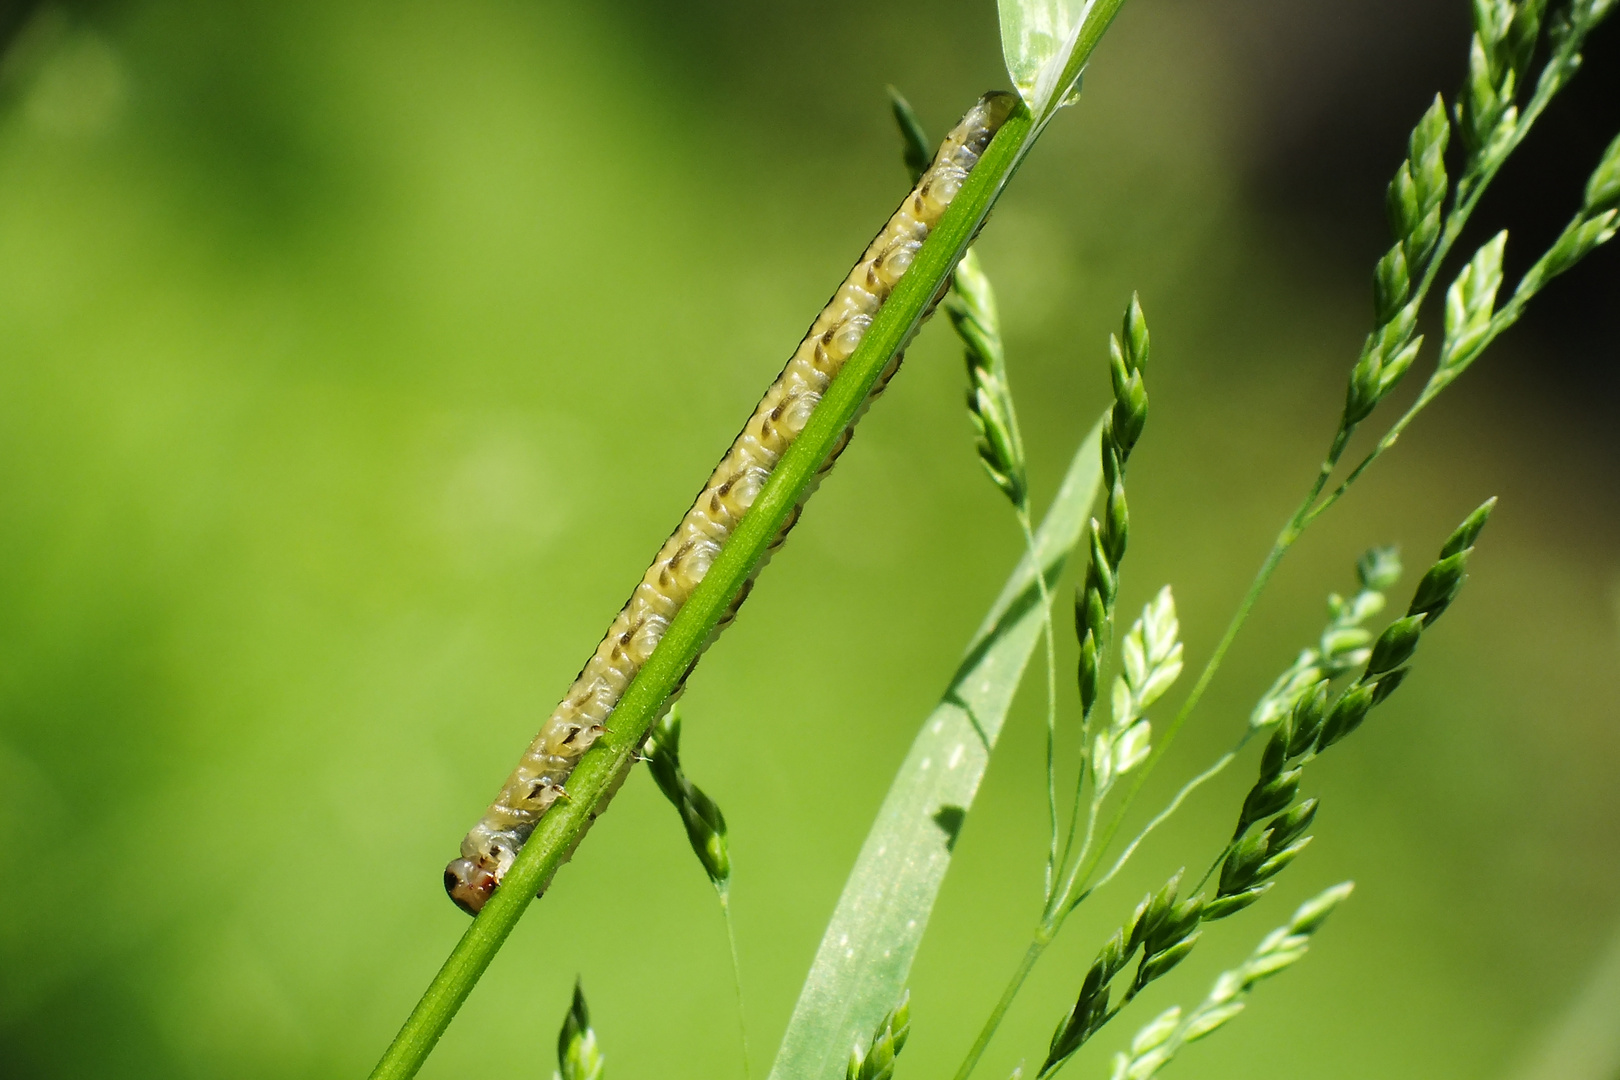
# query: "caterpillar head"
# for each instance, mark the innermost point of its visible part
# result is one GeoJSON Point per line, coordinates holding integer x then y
{"type": "Point", "coordinates": [469, 884]}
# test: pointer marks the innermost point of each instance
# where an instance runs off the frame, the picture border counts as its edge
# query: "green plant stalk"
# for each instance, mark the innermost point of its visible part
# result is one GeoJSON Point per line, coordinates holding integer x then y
{"type": "Point", "coordinates": [724, 892]}
{"type": "Point", "coordinates": [599, 772]}
{"type": "Point", "coordinates": [1051, 700]}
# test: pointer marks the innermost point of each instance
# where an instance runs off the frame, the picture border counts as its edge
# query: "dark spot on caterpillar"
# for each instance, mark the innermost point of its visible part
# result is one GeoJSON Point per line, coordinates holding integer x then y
{"type": "Point", "coordinates": [838, 447]}
{"type": "Point", "coordinates": [781, 537]}
{"type": "Point", "coordinates": [730, 615]}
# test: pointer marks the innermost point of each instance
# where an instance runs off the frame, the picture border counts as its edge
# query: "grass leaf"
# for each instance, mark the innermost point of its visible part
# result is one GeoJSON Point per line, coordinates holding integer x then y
{"type": "Point", "coordinates": [1045, 44]}
{"type": "Point", "coordinates": [865, 955]}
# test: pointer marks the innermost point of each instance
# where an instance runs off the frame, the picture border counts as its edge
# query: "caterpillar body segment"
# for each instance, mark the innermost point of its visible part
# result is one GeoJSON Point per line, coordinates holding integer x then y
{"type": "Point", "coordinates": [490, 848]}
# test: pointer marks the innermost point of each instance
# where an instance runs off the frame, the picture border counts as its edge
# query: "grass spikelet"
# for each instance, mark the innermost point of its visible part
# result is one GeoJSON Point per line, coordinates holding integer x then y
{"type": "Point", "coordinates": [705, 824]}
{"type": "Point", "coordinates": [1163, 1037]}
{"type": "Point", "coordinates": [1094, 602]}
{"type": "Point", "coordinates": [578, 1055]}
{"type": "Point", "coordinates": [876, 1060]}
{"type": "Point", "coordinates": [1414, 201]}
{"type": "Point", "coordinates": [1151, 660]}
{"type": "Point", "coordinates": [972, 309]}
{"type": "Point", "coordinates": [705, 831]}
{"type": "Point", "coordinates": [1165, 930]}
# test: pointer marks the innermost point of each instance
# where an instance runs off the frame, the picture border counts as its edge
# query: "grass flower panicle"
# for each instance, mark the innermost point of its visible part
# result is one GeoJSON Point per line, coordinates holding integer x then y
{"type": "Point", "coordinates": [1317, 721]}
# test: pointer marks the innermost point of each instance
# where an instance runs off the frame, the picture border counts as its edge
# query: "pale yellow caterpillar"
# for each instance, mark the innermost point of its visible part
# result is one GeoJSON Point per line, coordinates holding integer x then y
{"type": "Point", "coordinates": [490, 848]}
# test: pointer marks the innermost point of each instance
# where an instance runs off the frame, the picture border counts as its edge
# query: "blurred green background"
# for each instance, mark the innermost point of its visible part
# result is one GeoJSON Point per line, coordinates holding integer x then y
{"type": "Point", "coordinates": [357, 356]}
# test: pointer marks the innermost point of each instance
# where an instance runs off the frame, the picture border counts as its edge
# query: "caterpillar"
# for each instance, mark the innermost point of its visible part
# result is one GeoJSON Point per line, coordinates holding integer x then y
{"type": "Point", "coordinates": [490, 848]}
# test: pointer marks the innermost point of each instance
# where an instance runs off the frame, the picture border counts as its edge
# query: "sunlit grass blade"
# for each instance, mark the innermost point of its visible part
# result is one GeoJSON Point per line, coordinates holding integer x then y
{"type": "Point", "coordinates": [1045, 44]}
{"type": "Point", "coordinates": [865, 956]}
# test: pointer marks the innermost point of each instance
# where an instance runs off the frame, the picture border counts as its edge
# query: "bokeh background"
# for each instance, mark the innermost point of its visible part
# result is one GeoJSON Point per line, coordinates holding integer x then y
{"type": "Point", "coordinates": [357, 356]}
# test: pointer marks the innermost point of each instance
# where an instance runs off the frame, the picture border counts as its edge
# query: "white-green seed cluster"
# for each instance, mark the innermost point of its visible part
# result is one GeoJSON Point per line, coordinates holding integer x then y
{"type": "Point", "coordinates": [1151, 659]}
{"type": "Point", "coordinates": [1505, 35]}
{"type": "Point", "coordinates": [1163, 1037]}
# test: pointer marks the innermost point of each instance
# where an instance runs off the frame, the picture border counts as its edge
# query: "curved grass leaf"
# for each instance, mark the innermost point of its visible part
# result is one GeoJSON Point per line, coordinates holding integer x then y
{"type": "Point", "coordinates": [865, 956]}
{"type": "Point", "coordinates": [1045, 44]}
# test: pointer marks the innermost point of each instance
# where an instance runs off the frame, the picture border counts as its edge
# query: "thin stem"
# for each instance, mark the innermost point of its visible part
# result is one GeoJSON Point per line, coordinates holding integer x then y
{"type": "Point", "coordinates": [1051, 698]}
{"type": "Point", "coordinates": [736, 975]}
{"type": "Point", "coordinates": [1175, 804]}
{"type": "Point", "coordinates": [1058, 907]}
{"type": "Point", "coordinates": [1074, 810]}
{"type": "Point", "coordinates": [1025, 966]}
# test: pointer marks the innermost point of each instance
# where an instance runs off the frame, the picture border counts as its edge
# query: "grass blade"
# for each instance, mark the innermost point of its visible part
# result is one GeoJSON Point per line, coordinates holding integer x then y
{"type": "Point", "coordinates": [865, 955]}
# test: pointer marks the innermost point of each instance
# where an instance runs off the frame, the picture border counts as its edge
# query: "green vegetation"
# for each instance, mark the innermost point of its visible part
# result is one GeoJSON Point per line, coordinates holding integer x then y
{"type": "Point", "coordinates": [286, 747]}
